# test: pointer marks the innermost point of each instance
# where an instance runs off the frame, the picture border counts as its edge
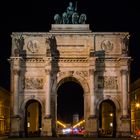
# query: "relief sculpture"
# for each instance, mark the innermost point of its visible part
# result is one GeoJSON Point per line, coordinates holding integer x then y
{"type": "Point", "coordinates": [107, 82]}
{"type": "Point", "coordinates": [32, 46]}
{"type": "Point", "coordinates": [33, 83]}
{"type": "Point", "coordinates": [19, 43]}
{"type": "Point", "coordinates": [125, 44]}
{"type": "Point", "coordinates": [82, 73]}
{"type": "Point", "coordinates": [107, 45]}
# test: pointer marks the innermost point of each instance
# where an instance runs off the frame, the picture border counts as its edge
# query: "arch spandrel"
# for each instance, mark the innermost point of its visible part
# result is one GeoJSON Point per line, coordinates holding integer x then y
{"type": "Point", "coordinates": [23, 104]}
{"type": "Point", "coordinates": [116, 102]}
{"type": "Point", "coordinates": [73, 77]}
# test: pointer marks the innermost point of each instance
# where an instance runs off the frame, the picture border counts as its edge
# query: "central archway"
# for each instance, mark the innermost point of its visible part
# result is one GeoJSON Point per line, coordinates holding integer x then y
{"type": "Point", "coordinates": [70, 101]}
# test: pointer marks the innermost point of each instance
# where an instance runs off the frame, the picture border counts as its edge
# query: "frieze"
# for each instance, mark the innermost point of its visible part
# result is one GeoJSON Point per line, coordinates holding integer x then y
{"type": "Point", "coordinates": [124, 61]}
{"type": "Point", "coordinates": [33, 83]}
{"type": "Point", "coordinates": [72, 60]}
{"type": "Point", "coordinates": [109, 59]}
{"type": "Point", "coordinates": [107, 46]}
{"type": "Point", "coordinates": [35, 60]}
{"type": "Point", "coordinates": [69, 73]}
{"type": "Point", "coordinates": [74, 46]}
{"type": "Point", "coordinates": [107, 82]}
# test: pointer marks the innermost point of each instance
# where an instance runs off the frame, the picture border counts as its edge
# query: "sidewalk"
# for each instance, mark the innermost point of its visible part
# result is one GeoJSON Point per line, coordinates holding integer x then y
{"type": "Point", "coordinates": [3, 137]}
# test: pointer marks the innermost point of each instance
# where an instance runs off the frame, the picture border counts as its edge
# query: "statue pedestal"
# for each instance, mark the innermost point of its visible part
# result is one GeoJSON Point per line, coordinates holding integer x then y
{"type": "Point", "coordinates": [70, 28]}
{"type": "Point", "coordinates": [47, 127]}
{"type": "Point", "coordinates": [92, 127]}
{"type": "Point", "coordinates": [124, 128]}
{"type": "Point", "coordinates": [15, 126]}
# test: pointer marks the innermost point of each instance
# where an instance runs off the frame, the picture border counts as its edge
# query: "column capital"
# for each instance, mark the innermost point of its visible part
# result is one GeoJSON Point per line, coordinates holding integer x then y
{"type": "Point", "coordinates": [92, 117]}
{"type": "Point", "coordinates": [47, 117]}
{"type": "Point", "coordinates": [47, 71]}
{"type": "Point", "coordinates": [91, 71]}
{"type": "Point", "coordinates": [16, 116]}
{"type": "Point", "coordinates": [16, 71]}
{"type": "Point", "coordinates": [125, 117]}
{"type": "Point", "coordinates": [124, 71]}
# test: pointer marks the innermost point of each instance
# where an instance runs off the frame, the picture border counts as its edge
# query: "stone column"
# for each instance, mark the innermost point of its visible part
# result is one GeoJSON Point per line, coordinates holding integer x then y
{"type": "Point", "coordinates": [15, 127]}
{"type": "Point", "coordinates": [92, 94]}
{"type": "Point", "coordinates": [16, 73]}
{"type": "Point", "coordinates": [48, 94]}
{"type": "Point", "coordinates": [124, 129]}
{"type": "Point", "coordinates": [124, 92]}
{"type": "Point", "coordinates": [47, 123]}
{"type": "Point", "coordinates": [92, 121]}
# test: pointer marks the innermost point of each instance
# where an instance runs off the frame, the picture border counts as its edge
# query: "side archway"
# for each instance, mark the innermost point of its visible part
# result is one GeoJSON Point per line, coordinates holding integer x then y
{"type": "Point", "coordinates": [116, 102]}
{"type": "Point", "coordinates": [107, 118]}
{"type": "Point", "coordinates": [22, 107]}
{"type": "Point", "coordinates": [32, 116]}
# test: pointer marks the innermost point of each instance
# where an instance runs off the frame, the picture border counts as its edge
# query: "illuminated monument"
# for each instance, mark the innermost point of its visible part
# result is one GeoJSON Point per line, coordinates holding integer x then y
{"type": "Point", "coordinates": [70, 51]}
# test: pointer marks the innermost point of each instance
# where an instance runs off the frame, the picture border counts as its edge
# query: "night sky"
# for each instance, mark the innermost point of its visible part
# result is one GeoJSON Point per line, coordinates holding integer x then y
{"type": "Point", "coordinates": [37, 16]}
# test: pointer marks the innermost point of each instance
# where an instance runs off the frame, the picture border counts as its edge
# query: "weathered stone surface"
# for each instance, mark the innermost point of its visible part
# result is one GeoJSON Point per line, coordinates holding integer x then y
{"type": "Point", "coordinates": [70, 51]}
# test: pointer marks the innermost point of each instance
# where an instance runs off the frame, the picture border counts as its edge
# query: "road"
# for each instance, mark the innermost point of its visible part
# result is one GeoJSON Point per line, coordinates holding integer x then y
{"type": "Point", "coordinates": [63, 138]}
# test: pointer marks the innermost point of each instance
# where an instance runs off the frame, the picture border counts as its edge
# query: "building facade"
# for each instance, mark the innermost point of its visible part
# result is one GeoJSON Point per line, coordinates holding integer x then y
{"type": "Point", "coordinates": [41, 63]}
{"type": "Point", "coordinates": [4, 111]}
{"type": "Point", "coordinates": [135, 106]}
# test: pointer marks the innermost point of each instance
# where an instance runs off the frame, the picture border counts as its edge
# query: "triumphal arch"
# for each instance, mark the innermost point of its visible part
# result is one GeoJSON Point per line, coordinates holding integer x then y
{"type": "Point", "coordinates": [43, 61]}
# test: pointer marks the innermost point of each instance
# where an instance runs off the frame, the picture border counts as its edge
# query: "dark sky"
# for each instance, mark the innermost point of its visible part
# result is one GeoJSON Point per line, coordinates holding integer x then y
{"type": "Point", "coordinates": [37, 15]}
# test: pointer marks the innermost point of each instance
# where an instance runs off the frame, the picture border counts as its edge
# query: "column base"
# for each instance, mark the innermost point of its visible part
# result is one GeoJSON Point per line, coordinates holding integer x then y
{"type": "Point", "coordinates": [14, 134]}
{"type": "Point", "coordinates": [91, 126]}
{"type": "Point", "coordinates": [123, 134]}
{"type": "Point", "coordinates": [44, 133]}
{"type": "Point", "coordinates": [15, 130]}
{"type": "Point", "coordinates": [124, 130]}
{"type": "Point", "coordinates": [93, 134]}
{"type": "Point", "coordinates": [47, 126]}
{"type": "Point", "coordinates": [125, 117]}
{"type": "Point", "coordinates": [47, 117]}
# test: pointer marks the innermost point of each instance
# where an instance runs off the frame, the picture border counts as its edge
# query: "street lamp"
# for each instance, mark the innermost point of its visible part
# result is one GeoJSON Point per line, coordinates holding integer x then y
{"type": "Point", "coordinates": [137, 105]}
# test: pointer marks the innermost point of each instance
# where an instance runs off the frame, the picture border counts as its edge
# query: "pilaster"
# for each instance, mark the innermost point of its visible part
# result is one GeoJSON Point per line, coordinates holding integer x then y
{"type": "Point", "coordinates": [16, 63]}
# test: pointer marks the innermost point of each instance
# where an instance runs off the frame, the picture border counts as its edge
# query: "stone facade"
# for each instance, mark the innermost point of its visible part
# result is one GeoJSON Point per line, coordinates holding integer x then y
{"type": "Point", "coordinates": [98, 61]}
{"type": "Point", "coordinates": [4, 111]}
{"type": "Point", "coordinates": [135, 106]}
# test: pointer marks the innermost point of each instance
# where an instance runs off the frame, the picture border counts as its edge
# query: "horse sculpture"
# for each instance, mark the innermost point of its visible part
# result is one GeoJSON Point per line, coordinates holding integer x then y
{"type": "Point", "coordinates": [82, 18]}
{"type": "Point", "coordinates": [57, 19]}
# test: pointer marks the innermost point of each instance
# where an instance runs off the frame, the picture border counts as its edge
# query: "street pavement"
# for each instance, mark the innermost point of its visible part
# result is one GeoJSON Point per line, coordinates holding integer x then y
{"type": "Point", "coordinates": [63, 138]}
